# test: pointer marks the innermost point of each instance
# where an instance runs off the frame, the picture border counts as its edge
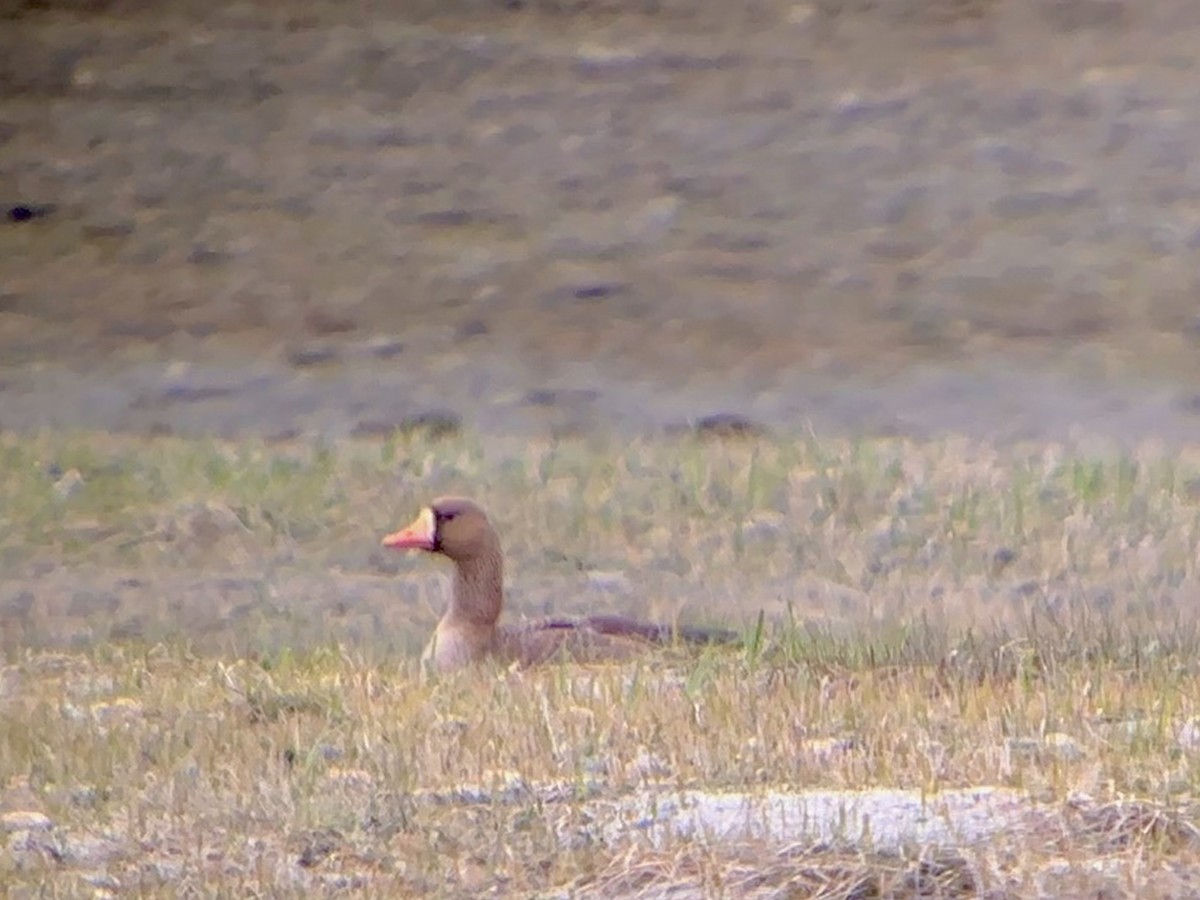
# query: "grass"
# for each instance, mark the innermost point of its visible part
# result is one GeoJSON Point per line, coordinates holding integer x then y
{"type": "Point", "coordinates": [210, 684]}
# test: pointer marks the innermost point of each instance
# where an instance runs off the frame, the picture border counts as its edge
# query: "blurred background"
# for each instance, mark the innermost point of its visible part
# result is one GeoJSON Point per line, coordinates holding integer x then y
{"type": "Point", "coordinates": [871, 216]}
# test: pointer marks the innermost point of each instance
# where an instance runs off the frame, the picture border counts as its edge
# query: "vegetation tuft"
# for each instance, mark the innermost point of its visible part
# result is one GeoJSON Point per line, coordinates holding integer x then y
{"type": "Point", "coordinates": [210, 686]}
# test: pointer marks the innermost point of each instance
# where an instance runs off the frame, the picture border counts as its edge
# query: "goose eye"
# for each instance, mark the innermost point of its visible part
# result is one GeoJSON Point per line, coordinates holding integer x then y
{"type": "Point", "coordinates": [445, 516]}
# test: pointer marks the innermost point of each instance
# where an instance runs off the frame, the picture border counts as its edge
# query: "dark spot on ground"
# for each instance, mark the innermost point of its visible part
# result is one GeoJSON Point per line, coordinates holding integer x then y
{"type": "Point", "coordinates": [26, 212]}
{"type": "Point", "coordinates": [312, 355]}
{"type": "Point", "coordinates": [728, 425]}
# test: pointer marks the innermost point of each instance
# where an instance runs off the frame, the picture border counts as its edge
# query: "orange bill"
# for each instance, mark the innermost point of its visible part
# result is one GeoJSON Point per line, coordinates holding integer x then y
{"type": "Point", "coordinates": [420, 535]}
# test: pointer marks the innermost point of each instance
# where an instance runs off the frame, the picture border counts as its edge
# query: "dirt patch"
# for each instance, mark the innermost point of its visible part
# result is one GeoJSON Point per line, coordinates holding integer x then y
{"type": "Point", "coordinates": [562, 215]}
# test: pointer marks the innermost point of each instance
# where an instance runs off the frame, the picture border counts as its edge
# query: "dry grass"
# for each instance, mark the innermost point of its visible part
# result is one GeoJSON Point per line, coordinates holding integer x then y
{"type": "Point", "coordinates": [918, 617]}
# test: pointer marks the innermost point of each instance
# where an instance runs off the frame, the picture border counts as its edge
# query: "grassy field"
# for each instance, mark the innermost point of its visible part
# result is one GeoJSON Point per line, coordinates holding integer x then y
{"type": "Point", "coordinates": [210, 684]}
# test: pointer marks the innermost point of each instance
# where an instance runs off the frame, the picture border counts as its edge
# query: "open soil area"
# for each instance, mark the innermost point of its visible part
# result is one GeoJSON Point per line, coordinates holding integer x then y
{"type": "Point", "coordinates": [900, 217]}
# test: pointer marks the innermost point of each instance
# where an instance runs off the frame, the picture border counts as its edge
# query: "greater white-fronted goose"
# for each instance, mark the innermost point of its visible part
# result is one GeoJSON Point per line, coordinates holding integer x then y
{"type": "Point", "coordinates": [469, 631]}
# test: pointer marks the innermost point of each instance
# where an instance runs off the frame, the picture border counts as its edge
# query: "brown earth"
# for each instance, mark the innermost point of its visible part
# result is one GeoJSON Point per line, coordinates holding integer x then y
{"type": "Point", "coordinates": [908, 216]}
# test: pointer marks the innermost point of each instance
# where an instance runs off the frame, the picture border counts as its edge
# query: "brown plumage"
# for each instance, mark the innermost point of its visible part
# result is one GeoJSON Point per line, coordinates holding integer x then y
{"type": "Point", "coordinates": [469, 631]}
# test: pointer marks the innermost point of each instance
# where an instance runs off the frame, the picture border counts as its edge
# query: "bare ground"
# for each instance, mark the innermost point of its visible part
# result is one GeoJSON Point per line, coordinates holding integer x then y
{"type": "Point", "coordinates": [881, 217]}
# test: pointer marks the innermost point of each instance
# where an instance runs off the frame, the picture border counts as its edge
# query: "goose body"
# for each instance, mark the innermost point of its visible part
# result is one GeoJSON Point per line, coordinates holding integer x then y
{"type": "Point", "coordinates": [469, 631]}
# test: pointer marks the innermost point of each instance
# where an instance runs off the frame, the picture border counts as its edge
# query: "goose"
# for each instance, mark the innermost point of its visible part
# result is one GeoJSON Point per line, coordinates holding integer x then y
{"type": "Point", "coordinates": [469, 631]}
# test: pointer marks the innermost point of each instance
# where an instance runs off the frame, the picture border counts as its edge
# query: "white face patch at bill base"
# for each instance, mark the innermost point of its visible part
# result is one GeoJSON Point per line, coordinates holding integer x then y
{"type": "Point", "coordinates": [420, 535]}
